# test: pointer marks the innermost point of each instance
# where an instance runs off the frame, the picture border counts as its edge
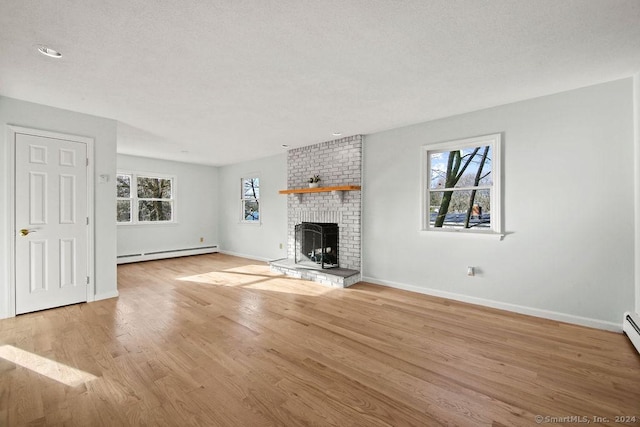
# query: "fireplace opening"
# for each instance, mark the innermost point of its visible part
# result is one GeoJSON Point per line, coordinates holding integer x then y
{"type": "Point", "coordinates": [316, 244]}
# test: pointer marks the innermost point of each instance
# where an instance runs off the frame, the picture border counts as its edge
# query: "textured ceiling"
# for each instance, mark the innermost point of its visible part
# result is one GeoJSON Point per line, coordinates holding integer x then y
{"type": "Point", "coordinates": [230, 80]}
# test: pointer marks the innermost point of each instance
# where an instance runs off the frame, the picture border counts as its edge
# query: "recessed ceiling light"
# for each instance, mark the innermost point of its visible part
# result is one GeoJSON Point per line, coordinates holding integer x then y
{"type": "Point", "coordinates": [337, 133]}
{"type": "Point", "coordinates": [49, 52]}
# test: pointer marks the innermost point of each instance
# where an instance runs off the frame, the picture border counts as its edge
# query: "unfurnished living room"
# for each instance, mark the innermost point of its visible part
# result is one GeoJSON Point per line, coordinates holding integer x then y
{"type": "Point", "coordinates": [330, 213]}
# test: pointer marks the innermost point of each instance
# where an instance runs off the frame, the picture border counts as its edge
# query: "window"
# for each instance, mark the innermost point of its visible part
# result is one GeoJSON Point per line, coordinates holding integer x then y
{"type": "Point", "coordinates": [462, 185]}
{"type": "Point", "coordinates": [145, 199]}
{"type": "Point", "coordinates": [250, 200]}
{"type": "Point", "coordinates": [124, 202]}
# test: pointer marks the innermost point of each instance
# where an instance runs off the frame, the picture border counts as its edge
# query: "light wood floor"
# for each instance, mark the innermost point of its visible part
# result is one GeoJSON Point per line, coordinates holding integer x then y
{"type": "Point", "coordinates": [218, 340]}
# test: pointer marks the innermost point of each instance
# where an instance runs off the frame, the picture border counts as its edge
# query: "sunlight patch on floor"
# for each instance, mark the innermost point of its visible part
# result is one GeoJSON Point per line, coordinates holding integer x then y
{"type": "Point", "coordinates": [313, 289]}
{"type": "Point", "coordinates": [49, 368]}
{"type": "Point", "coordinates": [221, 278]}
{"type": "Point", "coordinates": [258, 277]}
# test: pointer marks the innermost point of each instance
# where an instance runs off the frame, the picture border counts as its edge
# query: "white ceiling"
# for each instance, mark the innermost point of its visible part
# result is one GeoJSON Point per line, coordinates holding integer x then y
{"type": "Point", "coordinates": [231, 80]}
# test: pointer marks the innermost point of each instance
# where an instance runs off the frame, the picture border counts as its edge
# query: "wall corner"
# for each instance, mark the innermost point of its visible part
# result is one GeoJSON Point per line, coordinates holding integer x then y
{"type": "Point", "coordinates": [636, 151]}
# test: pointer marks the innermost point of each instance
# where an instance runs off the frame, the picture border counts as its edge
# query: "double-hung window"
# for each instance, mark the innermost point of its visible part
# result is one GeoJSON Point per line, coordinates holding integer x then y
{"type": "Point", "coordinates": [462, 185]}
{"type": "Point", "coordinates": [125, 198]}
{"type": "Point", "coordinates": [250, 200]}
{"type": "Point", "coordinates": [145, 198]}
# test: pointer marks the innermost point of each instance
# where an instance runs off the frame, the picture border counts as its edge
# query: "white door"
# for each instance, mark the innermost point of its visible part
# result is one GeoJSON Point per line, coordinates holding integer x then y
{"type": "Point", "coordinates": [51, 261]}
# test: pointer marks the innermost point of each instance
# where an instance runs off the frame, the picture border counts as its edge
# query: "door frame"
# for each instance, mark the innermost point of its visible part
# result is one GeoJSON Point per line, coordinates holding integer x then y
{"type": "Point", "coordinates": [12, 132]}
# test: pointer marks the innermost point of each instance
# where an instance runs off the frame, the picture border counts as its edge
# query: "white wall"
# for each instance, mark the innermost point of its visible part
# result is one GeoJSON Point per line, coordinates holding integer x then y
{"type": "Point", "coordinates": [569, 209]}
{"type": "Point", "coordinates": [26, 114]}
{"type": "Point", "coordinates": [250, 240]}
{"type": "Point", "coordinates": [636, 116]}
{"type": "Point", "coordinates": [196, 209]}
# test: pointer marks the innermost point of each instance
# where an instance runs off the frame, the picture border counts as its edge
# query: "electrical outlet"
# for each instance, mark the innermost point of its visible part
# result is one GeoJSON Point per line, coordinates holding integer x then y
{"type": "Point", "coordinates": [202, 240]}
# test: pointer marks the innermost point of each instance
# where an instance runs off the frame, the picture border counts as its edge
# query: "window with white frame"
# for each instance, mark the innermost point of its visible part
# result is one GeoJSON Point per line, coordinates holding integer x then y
{"type": "Point", "coordinates": [462, 185]}
{"type": "Point", "coordinates": [145, 198]}
{"type": "Point", "coordinates": [250, 200]}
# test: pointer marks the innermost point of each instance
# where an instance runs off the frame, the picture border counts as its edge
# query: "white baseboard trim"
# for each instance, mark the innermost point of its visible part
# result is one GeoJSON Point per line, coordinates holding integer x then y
{"type": "Point", "coordinates": [630, 326]}
{"type": "Point", "coordinates": [149, 256]}
{"type": "Point", "coordinates": [253, 257]}
{"type": "Point", "coordinates": [106, 295]}
{"type": "Point", "coordinates": [531, 311]}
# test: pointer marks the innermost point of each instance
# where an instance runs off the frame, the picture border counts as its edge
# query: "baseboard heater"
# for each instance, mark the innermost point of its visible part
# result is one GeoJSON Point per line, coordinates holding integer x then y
{"type": "Point", "coordinates": [173, 253]}
{"type": "Point", "coordinates": [631, 327]}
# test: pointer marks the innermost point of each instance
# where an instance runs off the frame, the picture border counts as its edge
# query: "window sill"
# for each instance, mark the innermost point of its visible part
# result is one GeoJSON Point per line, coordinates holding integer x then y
{"type": "Point", "coordinates": [491, 235]}
{"type": "Point", "coordinates": [147, 224]}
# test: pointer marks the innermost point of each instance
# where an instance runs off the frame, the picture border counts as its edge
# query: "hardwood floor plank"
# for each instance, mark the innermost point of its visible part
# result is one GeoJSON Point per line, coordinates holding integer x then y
{"type": "Point", "coordinates": [217, 340]}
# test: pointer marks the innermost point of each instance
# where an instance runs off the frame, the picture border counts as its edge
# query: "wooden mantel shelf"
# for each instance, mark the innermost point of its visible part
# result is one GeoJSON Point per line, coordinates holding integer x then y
{"type": "Point", "coordinates": [338, 191]}
{"type": "Point", "coordinates": [321, 189]}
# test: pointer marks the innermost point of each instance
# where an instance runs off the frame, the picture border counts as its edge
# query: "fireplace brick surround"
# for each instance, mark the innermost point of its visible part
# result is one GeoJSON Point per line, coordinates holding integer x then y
{"type": "Point", "coordinates": [338, 162]}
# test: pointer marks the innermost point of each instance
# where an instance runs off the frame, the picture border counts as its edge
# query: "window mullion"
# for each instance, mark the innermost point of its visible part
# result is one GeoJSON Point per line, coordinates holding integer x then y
{"type": "Point", "coordinates": [480, 187]}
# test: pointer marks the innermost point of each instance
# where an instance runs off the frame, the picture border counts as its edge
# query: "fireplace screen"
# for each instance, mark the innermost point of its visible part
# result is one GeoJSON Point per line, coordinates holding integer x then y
{"type": "Point", "coordinates": [317, 244]}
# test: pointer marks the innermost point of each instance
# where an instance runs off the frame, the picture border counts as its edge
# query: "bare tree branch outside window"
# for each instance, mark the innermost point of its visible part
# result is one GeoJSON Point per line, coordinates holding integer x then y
{"type": "Point", "coordinates": [250, 199]}
{"type": "Point", "coordinates": [144, 199]}
{"type": "Point", "coordinates": [460, 188]}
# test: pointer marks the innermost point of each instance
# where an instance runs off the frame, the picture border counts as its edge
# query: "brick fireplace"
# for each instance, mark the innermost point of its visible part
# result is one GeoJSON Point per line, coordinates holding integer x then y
{"type": "Point", "coordinates": [338, 163]}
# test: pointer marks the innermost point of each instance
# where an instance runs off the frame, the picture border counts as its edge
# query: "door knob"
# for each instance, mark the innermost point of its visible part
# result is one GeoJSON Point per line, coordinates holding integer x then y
{"type": "Point", "coordinates": [25, 231]}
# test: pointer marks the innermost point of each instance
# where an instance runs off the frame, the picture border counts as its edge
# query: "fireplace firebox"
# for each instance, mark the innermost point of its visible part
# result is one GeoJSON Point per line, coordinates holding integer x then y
{"type": "Point", "coordinates": [316, 244]}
